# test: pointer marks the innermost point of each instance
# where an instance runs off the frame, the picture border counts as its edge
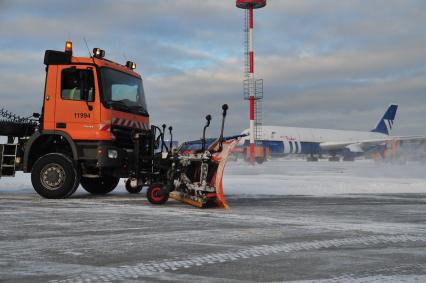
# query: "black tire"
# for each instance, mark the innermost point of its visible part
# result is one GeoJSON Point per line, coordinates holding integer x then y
{"type": "Point", "coordinates": [156, 194]}
{"type": "Point", "coordinates": [334, 159]}
{"type": "Point", "coordinates": [54, 176]}
{"type": "Point", "coordinates": [260, 160]}
{"type": "Point", "coordinates": [15, 129]}
{"type": "Point", "coordinates": [100, 186]}
{"type": "Point", "coordinates": [132, 190]}
{"type": "Point", "coordinates": [312, 159]}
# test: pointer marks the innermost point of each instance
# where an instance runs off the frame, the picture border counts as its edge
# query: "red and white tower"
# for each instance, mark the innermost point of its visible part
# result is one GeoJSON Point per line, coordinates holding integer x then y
{"type": "Point", "coordinates": [253, 88]}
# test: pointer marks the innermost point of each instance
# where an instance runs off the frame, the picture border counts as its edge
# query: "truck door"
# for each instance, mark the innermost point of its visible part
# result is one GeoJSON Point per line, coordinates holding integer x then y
{"type": "Point", "coordinates": [77, 102]}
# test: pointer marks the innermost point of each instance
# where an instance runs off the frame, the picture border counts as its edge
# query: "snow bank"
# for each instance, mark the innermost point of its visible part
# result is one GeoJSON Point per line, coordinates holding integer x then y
{"type": "Point", "coordinates": [289, 177]}
{"type": "Point", "coordinates": [296, 177]}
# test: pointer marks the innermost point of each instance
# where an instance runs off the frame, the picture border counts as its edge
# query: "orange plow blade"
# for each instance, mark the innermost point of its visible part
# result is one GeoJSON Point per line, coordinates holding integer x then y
{"type": "Point", "coordinates": [222, 158]}
{"type": "Point", "coordinates": [200, 182]}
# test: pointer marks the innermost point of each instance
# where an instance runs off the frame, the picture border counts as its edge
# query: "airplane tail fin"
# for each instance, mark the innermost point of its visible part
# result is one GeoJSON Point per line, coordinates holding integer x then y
{"type": "Point", "coordinates": [386, 123]}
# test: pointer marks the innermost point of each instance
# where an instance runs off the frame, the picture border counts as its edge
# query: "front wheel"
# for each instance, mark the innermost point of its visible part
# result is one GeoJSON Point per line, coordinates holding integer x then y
{"type": "Point", "coordinates": [101, 185]}
{"type": "Point", "coordinates": [156, 194]}
{"type": "Point", "coordinates": [54, 176]}
{"type": "Point", "coordinates": [132, 190]}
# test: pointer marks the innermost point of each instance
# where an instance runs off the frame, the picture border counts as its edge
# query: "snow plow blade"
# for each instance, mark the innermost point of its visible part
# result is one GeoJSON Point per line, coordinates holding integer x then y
{"type": "Point", "coordinates": [193, 173]}
{"type": "Point", "coordinates": [201, 181]}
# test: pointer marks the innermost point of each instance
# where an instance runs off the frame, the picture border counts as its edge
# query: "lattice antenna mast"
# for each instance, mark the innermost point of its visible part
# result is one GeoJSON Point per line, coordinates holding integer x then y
{"type": "Point", "coordinates": [253, 89]}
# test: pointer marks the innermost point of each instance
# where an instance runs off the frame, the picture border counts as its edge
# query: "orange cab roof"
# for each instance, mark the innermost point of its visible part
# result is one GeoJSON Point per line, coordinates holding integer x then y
{"type": "Point", "coordinates": [105, 63]}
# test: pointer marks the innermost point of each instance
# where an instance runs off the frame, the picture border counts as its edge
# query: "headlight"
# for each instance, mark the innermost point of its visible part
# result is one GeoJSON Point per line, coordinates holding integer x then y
{"type": "Point", "coordinates": [112, 154]}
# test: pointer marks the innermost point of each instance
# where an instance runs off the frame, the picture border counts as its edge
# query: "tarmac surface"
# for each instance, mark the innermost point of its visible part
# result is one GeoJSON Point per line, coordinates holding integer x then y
{"type": "Point", "coordinates": [122, 238]}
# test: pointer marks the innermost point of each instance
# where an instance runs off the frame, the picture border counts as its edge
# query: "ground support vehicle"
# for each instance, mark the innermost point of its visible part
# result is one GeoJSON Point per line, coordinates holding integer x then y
{"type": "Point", "coordinates": [262, 152]}
{"type": "Point", "coordinates": [94, 129]}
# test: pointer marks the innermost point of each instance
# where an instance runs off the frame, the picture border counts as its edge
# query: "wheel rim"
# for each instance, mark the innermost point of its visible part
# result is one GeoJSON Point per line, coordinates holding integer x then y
{"type": "Point", "coordinates": [156, 194]}
{"type": "Point", "coordinates": [52, 176]}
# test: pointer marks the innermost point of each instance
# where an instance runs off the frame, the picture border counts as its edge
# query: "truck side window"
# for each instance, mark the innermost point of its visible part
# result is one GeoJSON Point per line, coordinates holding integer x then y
{"type": "Point", "coordinates": [73, 81]}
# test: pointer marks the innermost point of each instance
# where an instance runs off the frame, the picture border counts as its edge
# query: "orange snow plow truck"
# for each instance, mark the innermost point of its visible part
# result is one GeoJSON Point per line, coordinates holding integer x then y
{"type": "Point", "coordinates": [94, 129]}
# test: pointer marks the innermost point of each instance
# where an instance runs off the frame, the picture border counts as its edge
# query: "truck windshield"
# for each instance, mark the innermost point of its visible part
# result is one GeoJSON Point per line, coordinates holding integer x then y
{"type": "Point", "coordinates": [123, 92]}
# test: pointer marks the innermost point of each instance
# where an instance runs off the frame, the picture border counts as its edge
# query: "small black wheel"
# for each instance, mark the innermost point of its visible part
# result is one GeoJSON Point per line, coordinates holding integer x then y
{"type": "Point", "coordinates": [260, 160]}
{"type": "Point", "coordinates": [131, 189]}
{"type": "Point", "coordinates": [100, 186]}
{"type": "Point", "coordinates": [334, 159]}
{"type": "Point", "coordinates": [55, 176]}
{"type": "Point", "coordinates": [156, 194]}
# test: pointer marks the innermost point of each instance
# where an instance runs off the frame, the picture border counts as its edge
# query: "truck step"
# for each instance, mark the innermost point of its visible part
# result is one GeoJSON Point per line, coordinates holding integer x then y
{"type": "Point", "coordinates": [8, 159]}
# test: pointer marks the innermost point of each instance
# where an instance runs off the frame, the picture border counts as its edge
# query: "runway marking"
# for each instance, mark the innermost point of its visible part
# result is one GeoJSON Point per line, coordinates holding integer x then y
{"type": "Point", "coordinates": [108, 274]}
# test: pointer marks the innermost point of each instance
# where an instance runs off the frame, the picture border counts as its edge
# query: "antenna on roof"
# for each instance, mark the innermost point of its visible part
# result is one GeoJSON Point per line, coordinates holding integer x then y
{"type": "Point", "coordinates": [87, 45]}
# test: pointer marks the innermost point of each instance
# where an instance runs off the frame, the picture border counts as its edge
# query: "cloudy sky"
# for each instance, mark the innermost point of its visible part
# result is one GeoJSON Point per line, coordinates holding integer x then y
{"type": "Point", "coordinates": [325, 63]}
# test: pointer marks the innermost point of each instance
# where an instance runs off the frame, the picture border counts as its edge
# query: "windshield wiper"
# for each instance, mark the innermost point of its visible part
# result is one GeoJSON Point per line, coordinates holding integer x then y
{"type": "Point", "coordinates": [119, 104]}
{"type": "Point", "coordinates": [139, 109]}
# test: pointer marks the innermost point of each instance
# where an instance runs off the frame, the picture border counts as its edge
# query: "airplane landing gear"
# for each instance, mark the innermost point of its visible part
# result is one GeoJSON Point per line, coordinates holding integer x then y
{"type": "Point", "coordinates": [334, 159]}
{"type": "Point", "coordinates": [312, 158]}
{"type": "Point", "coordinates": [349, 158]}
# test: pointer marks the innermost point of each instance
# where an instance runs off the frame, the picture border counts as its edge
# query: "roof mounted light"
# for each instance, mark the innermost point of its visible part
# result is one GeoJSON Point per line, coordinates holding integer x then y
{"type": "Point", "coordinates": [98, 53]}
{"type": "Point", "coordinates": [68, 47]}
{"type": "Point", "coordinates": [131, 65]}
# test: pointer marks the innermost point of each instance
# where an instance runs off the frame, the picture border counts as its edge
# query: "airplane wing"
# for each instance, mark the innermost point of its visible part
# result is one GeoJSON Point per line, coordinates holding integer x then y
{"type": "Point", "coordinates": [363, 145]}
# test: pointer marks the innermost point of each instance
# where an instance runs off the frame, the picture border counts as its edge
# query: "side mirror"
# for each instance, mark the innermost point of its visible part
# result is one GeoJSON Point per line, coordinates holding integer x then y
{"type": "Point", "coordinates": [87, 87]}
{"type": "Point", "coordinates": [36, 115]}
{"type": "Point", "coordinates": [84, 86]}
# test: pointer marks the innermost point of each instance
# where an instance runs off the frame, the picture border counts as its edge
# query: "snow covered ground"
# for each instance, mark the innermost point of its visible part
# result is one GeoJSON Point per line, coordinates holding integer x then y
{"type": "Point", "coordinates": [298, 177]}
{"type": "Point", "coordinates": [290, 221]}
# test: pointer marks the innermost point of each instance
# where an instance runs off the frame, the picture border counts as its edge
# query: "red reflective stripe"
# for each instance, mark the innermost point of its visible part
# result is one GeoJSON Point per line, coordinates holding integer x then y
{"type": "Point", "coordinates": [251, 108]}
{"type": "Point", "coordinates": [106, 127]}
{"type": "Point", "coordinates": [251, 16]}
{"type": "Point", "coordinates": [129, 123]}
{"type": "Point", "coordinates": [252, 62]}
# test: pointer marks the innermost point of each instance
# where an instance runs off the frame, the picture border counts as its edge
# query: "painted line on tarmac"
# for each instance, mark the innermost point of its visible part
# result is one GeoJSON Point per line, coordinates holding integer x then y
{"type": "Point", "coordinates": [109, 274]}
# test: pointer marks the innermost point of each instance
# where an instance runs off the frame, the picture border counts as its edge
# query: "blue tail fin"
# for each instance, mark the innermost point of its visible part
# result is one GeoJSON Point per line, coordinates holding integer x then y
{"type": "Point", "coordinates": [386, 123]}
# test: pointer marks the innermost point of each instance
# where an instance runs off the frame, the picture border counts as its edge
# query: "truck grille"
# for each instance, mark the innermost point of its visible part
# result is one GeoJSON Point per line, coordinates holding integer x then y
{"type": "Point", "coordinates": [123, 136]}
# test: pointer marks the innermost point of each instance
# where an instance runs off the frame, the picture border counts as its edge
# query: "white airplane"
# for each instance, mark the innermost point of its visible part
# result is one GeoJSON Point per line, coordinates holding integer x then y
{"type": "Point", "coordinates": [316, 142]}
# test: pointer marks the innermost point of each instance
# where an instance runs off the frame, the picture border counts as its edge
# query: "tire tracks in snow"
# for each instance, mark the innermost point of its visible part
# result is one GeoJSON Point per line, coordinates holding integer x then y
{"type": "Point", "coordinates": [110, 274]}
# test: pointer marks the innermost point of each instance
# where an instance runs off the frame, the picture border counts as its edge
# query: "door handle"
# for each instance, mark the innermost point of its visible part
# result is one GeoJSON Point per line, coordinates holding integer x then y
{"type": "Point", "coordinates": [61, 125]}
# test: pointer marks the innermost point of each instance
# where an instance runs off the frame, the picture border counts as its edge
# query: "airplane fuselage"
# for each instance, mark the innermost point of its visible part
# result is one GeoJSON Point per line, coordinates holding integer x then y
{"type": "Point", "coordinates": [293, 140]}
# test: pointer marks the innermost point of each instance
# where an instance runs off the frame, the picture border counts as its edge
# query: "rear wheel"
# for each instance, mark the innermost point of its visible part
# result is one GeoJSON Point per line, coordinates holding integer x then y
{"type": "Point", "coordinates": [55, 176]}
{"type": "Point", "coordinates": [132, 190]}
{"type": "Point", "coordinates": [100, 186]}
{"type": "Point", "coordinates": [156, 194]}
